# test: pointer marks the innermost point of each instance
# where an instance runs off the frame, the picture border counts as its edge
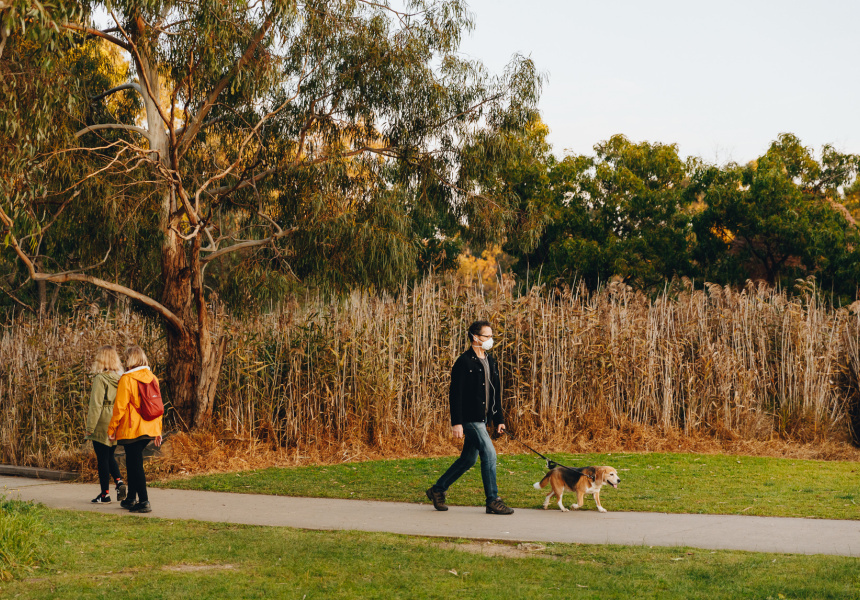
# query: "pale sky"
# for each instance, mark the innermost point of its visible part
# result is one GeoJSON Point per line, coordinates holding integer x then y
{"type": "Point", "coordinates": [721, 79]}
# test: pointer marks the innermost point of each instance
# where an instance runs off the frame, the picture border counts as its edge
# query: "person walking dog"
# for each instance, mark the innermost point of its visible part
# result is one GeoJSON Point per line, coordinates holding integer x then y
{"type": "Point", "coordinates": [476, 400]}
{"type": "Point", "coordinates": [106, 370]}
{"type": "Point", "coordinates": [131, 430]}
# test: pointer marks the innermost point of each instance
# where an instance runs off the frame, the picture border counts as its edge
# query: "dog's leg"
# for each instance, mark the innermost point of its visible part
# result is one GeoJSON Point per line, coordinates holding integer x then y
{"type": "Point", "coordinates": [559, 492]}
{"type": "Point", "coordinates": [546, 502]}
{"type": "Point", "coordinates": [580, 500]}
{"type": "Point", "coordinates": [597, 502]}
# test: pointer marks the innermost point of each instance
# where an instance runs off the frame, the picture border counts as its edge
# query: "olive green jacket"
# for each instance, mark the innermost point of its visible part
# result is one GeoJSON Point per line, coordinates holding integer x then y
{"type": "Point", "coordinates": [101, 407]}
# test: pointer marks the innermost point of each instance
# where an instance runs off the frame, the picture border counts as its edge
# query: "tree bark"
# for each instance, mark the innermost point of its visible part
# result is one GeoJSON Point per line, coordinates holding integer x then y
{"type": "Point", "coordinates": [192, 366]}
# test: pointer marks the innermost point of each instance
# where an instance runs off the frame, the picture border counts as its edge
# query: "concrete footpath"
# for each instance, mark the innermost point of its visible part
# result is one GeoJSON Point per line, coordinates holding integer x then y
{"type": "Point", "coordinates": [713, 532]}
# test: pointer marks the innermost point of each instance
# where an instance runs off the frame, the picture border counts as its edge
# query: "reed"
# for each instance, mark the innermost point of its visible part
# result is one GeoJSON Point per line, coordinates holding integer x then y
{"type": "Point", "coordinates": [372, 371]}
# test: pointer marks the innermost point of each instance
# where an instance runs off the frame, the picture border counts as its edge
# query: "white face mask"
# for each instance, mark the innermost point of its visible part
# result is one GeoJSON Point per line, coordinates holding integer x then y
{"type": "Point", "coordinates": [486, 345]}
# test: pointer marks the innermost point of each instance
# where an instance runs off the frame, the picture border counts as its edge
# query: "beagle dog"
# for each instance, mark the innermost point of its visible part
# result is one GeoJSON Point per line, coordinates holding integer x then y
{"type": "Point", "coordinates": [587, 480]}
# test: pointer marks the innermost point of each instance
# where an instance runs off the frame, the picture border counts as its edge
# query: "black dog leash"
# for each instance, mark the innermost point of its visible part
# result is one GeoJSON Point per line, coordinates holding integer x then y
{"type": "Point", "coordinates": [550, 464]}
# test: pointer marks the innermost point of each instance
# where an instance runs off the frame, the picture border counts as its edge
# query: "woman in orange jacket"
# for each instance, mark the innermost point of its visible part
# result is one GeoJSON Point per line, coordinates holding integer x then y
{"type": "Point", "coordinates": [131, 431]}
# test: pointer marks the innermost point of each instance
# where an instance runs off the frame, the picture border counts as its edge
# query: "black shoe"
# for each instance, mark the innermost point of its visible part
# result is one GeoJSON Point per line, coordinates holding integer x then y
{"type": "Point", "coordinates": [497, 507]}
{"type": "Point", "coordinates": [437, 498]}
{"type": "Point", "coordinates": [128, 503]}
{"type": "Point", "coordinates": [141, 507]}
{"type": "Point", "coordinates": [121, 491]}
{"type": "Point", "coordinates": [101, 499]}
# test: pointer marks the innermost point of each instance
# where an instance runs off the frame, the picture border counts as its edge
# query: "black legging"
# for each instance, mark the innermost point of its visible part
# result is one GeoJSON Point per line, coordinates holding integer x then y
{"type": "Point", "coordinates": [134, 470]}
{"type": "Point", "coordinates": [107, 465]}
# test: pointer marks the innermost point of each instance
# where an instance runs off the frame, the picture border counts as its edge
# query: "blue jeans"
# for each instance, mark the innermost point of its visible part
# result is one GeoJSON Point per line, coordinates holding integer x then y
{"type": "Point", "coordinates": [477, 443]}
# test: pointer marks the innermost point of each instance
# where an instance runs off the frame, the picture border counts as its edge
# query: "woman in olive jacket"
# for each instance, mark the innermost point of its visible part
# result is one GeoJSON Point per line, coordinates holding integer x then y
{"type": "Point", "coordinates": [130, 429]}
{"type": "Point", "coordinates": [107, 369]}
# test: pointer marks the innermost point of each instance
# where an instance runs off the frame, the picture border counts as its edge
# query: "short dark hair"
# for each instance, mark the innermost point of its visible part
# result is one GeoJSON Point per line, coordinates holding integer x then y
{"type": "Point", "coordinates": [476, 327]}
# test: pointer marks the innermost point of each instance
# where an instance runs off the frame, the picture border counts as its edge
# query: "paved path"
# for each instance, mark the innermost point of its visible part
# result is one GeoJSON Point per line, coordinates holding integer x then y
{"type": "Point", "coordinates": [715, 532]}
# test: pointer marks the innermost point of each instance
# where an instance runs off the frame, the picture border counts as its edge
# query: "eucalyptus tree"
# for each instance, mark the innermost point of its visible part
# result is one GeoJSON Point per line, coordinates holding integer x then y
{"type": "Point", "coordinates": [32, 93]}
{"type": "Point", "coordinates": [311, 133]}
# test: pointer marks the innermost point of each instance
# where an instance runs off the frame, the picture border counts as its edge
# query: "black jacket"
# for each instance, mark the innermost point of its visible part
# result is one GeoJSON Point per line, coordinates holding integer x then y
{"type": "Point", "coordinates": [467, 394]}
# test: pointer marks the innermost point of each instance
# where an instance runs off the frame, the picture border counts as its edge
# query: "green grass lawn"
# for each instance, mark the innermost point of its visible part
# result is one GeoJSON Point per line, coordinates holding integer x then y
{"type": "Point", "coordinates": [107, 556]}
{"type": "Point", "coordinates": [674, 483]}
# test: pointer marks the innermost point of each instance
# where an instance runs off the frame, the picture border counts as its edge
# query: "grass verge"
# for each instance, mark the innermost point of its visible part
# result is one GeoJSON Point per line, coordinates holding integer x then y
{"type": "Point", "coordinates": [21, 538]}
{"type": "Point", "coordinates": [654, 482]}
{"type": "Point", "coordinates": [106, 556]}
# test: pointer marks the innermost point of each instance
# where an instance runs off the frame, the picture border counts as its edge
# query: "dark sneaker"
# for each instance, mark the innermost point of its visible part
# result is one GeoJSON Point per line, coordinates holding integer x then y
{"type": "Point", "coordinates": [121, 491]}
{"type": "Point", "coordinates": [497, 507]}
{"type": "Point", "coordinates": [141, 507]}
{"type": "Point", "coordinates": [437, 498]}
{"type": "Point", "coordinates": [101, 499]}
{"type": "Point", "coordinates": [127, 504]}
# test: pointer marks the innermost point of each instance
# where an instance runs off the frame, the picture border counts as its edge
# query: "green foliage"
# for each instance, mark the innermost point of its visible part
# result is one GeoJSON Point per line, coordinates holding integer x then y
{"type": "Point", "coordinates": [22, 538]}
{"type": "Point", "coordinates": [65, 215]}
{"type": "Point", "coordinates": [778, 218]}
{"type": "Point", "coordinates": [638, 212]}
{"type": "Point", "coordinates": [851, 200]}
{"type": "Point", "coordinates": [617, 213]}
{"type": "Point", "coordinates": [506, 169]}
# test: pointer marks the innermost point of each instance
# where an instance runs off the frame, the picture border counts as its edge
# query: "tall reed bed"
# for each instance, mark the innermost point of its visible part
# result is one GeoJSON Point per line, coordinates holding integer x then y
{"type": "Point", "coordinates": [45, 382]}
{"type": "Point", "coordinates": [371, 369]}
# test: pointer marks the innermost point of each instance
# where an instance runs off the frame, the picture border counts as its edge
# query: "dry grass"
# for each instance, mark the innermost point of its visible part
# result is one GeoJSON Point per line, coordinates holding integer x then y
{"type": "Point", "coordinates": [750, 371]}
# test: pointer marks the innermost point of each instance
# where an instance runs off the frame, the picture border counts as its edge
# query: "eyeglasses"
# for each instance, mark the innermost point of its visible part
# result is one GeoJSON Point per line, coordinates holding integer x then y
{"type": "Point", "coordinates": [482, 335]}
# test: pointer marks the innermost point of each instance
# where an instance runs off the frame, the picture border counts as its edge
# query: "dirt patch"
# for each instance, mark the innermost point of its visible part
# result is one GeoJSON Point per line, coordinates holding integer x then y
{"type": "Point", "coordinates": [522, 550]}
{"type": "Point", "coordinates": [196, 568]}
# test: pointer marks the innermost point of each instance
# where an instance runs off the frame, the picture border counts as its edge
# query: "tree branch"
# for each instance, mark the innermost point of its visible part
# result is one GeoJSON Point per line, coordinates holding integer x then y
{"type": "Point", "coordinates": [211, 121]}
{"type": "Point", "coordinates": [97, 33]}
{"type": "Point", "coordinates": [162, 310]}
{"type": "Point", "coordinates": [194, 128]}
{"type": "Point", "coordinates": [90, 128]}
{"type": "Point", "coordinates": [11, 295]}
{"type": "Point", "coordinates": [143, 67]}
{"type": "Point", "coordinates": [248, 244]}
{"type": "Point", "coordinates": [119, 88]}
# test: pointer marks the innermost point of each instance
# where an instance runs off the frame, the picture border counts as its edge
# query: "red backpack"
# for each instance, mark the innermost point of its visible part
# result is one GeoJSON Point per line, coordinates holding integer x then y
{"type": "Point", "coordinates": [151, 406]}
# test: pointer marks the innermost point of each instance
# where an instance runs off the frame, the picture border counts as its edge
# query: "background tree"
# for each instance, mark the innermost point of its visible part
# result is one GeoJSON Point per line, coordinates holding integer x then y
{"type": "Point", "coordinates": [620, 212]}
{"type": "Point", "coordinates": [778, 218]}
{"type": "Point", "coordinates": [303, 139]}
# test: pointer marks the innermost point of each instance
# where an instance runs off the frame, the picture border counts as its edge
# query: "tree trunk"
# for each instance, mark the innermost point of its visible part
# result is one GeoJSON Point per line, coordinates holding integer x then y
{"type": "Point", "coordinates": [181, 345]}
{"type": "Point", "coordinates": [193, 361]}
{"type": "Point", "coordinates": [208, 382]}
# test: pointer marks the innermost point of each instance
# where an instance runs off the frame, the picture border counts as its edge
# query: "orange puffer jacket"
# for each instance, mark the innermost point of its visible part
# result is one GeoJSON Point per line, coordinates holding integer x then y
{"type": "Point", "coordinates": [126, 423]}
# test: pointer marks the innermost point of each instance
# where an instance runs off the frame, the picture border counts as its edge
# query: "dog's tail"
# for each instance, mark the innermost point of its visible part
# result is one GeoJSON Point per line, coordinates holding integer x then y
{"type": "Point", "coordinates": [542, 483]}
